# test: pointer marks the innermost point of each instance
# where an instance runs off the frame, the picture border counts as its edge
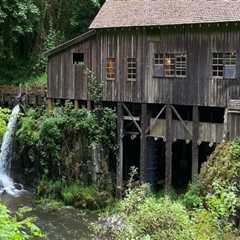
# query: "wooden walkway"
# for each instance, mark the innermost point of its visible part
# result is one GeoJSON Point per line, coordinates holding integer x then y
{"type": "Point", "coordinates": [34, 96]}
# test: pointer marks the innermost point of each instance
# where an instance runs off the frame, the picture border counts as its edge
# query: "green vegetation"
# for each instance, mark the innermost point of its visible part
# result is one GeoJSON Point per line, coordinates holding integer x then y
{"type": "Point", "coordinates": [28, 28]}
{"type": "Point", "coordinates": [4, 116]}
{"type": "Point", "coordinates": [60, 193]}
{"type": "Point", "coordinates": [58, 145]}
{"type": "Point", "coordinates": [17, 227]}
{"type": "Point", "coordinates": [143, 215]}
{"type": "Point", "coordinates": [209, 210]}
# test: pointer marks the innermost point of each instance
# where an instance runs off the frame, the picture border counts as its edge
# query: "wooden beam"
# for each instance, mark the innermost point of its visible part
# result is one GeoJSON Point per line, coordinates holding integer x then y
{"type": "Point", "coordinates": [120, 150]}
{"type": "Point", "coordinates": [195, 138]}
{"type": "Point", "coordinates": [181, 120]}
{"type": "Point", "coordinates": [89, 105]}
{"type": "Point", "coordinates": [50, 104]}
{"type": "Point", "coordinates": [76, 104]}
{"type": "Point", "coordinates": [155, 120]}
{"type": "Point", "coordinates": [143, 147]}
{"type": "Point", "coordinates": [168, 149]}
{"type": "Point", "coordinates": [132, 117]}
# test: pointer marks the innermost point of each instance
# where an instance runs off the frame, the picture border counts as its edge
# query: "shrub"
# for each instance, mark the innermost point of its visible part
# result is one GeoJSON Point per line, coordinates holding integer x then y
{"type": "Point", "coordinates": [192, 199]}
{"type": "Point", "coordinates": [223, 167]}
{"type": "Point", "coordinates": [74, 194]}
{"type": "Point", "coordinates": [17, 227]}
{"type": "Point", "coordinates": [57, 144]}
{"type": "Point", "coordinates": [4, 115]}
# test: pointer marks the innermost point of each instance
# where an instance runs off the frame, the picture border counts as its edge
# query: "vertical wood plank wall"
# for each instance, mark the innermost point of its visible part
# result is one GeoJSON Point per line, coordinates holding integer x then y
{"type": "Point", "coordinates": [68, 81]}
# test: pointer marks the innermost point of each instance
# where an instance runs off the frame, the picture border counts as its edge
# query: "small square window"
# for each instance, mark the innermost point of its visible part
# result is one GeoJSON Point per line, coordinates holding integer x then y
{"type": "Point", "coordinates": [78, 58]}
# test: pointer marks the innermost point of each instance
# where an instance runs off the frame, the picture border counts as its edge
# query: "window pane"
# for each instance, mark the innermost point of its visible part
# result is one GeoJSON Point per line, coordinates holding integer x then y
{"type": "Point", "coordinates": [78, 58]}
{"type": "Point", "coordinates": [111, 68]}
{"type": "Point", "coordinates": [132, 68]}
{"type": "Point", "coordinates": [169, 64]}
{"type": "Point", "coordinates": [181, 65]}
{"type": "Point", "coordinates": [230, 71]}
{"type": "Point", "coordinates": [158, 70]}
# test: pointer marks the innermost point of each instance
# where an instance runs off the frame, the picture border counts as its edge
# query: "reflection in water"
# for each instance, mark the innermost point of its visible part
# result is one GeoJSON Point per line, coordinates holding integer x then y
{"type": "Point", "coordinates": [64, 224]}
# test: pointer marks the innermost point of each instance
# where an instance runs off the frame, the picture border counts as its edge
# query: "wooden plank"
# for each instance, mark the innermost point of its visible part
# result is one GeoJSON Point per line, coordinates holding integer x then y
{"type": "Point", "coordinates": [168, 153]}
{"type": "Point", "coordinates": [50, 104]}
{"type": "Point", "coordinates": [195, 138]}
{"type": "Point", "coordinates": [120, 151]}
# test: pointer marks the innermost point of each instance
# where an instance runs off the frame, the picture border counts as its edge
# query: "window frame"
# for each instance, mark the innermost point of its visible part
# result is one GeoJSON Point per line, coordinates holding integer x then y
{"type": "Point", "coordinates": [132, 69]}
{"type": "Point", "coordinates": [169, 70]}
{"type": "Point", "coordinates": [111, 71]}
{"type": "Point", "coordinates": [228, 59]}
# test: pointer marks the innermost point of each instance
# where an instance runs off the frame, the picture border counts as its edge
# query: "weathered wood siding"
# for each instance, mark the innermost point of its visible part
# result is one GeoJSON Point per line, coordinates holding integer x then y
{"type": "Point", "coordinates": [67, 80]}
{"type": "Point", "coordinates": [208, 132]}
{"type": "Point", "coordinates": [198, 88]}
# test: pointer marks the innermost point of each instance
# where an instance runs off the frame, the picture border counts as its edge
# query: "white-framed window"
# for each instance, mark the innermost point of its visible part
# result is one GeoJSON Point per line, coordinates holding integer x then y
{"type": "Point", "coordinates": [224, 65]}
{"type": "Point", "coordinates": [170, 65]}
{"type": "Point", "coordinates": [132, 69]}
{"type": "Point", "coordinates": [111, 68]}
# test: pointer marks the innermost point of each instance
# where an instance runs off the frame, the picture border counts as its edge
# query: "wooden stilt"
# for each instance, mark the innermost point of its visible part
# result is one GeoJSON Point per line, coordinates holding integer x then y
{"type": "Point", "coordinates": [89, 105]}
{"type": "Point", "coordinates": [76, 104]}
{"type": "Point", "coordinates": [143, 147]}
{"type": "Point", "coordinates": [50, 104]}
{"type": "Point", "coordinates": [195, 149]}
{"type": "Point", "coordinates": [120, 153]}
{"type": "Point", "coordinates": [168, 153]}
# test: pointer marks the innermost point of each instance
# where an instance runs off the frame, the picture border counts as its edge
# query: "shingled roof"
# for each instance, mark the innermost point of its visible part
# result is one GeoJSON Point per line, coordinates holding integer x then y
{"type": "Point", "coordinates": [134, 13]}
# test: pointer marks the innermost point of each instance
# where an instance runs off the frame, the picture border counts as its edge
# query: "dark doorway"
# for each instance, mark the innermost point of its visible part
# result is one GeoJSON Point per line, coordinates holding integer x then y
{"type": "Point", "coordinates": [131, 153]}
{"type": "Point", "coordinates": [156, 163]}
{"type": "Point", "coordinates": [181, 164]}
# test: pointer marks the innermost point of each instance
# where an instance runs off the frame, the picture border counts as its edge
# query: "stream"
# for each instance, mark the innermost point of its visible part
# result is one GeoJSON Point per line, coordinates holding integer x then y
{"type": "Point", "coordinates": [64, 224]}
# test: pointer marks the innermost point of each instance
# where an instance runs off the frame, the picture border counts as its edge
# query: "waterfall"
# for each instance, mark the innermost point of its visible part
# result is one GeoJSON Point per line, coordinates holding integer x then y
{"type": "Point", "coordinates": [6, 183]}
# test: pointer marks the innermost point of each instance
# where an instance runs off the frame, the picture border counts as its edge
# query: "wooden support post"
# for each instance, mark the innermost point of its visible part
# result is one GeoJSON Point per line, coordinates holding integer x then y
{"type": "Point", "coordinates": [89, 105]}
{"type": "Point", "coordinates": [168, 153]}
{"type": "Point", "coordinates": [120, 153]}
{"type": "Point", "coordinates": [143, 147]}
{"type": "Point", "coordinates": [50, 104]}
{"type": "Point", "coordinates": [195, 149]}
{"type": "Point", "coordinates": [76, 104]}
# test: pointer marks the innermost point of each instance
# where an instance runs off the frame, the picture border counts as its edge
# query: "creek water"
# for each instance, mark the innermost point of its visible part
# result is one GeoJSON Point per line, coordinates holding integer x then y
{"type": "Point", "coordinates": [62, 224]}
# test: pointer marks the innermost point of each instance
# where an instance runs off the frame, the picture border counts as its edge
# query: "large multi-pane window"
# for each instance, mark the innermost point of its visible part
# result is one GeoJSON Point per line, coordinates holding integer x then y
{"type": "Point", "coordinates": [224, 65]}
{"type": "Point", "coordinates": [111, 68]}
{"type": "Point", "coordinates": [132, 69]}
{"type": "Point", "coordinates": [170, 65]}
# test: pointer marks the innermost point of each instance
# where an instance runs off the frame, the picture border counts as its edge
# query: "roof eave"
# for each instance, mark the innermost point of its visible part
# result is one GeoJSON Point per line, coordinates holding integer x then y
{"type": "Point", "coordinates": [70, 43]}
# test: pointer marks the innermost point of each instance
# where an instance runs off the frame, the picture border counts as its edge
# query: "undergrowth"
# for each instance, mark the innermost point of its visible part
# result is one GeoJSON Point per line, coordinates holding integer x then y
{"type": "Point", "coordinates": [18, 227]}
{"type": "Point", "coordinates": [59, 193]}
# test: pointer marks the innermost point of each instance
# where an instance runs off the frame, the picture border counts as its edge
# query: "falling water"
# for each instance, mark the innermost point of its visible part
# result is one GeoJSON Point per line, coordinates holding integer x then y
{"type": "Point", "coordinates": [6, 183]}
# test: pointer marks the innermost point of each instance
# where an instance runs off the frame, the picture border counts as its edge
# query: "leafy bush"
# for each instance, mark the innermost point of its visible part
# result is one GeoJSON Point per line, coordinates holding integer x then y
{"type": "Point", "coordinates": [74, 194]}
{"type": "Point", "coordinates": [219, 180]}
{"type": "Point", "coordinates": [57, 144]}
{"type": "Point", "coordinates": [4, 116]}
{"type": "Point", "coordinates": [17, 227]}
{"type": "Point", "coordinates": [142, 215]}
{"type": "Point", "coordinates": [192, 199]}
{"type": "Point", "coordinates": [223, 167]}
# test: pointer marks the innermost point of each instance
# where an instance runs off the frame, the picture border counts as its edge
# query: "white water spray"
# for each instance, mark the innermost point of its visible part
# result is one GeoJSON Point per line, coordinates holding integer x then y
{"type": "Point", "coordinates": [6, 183]}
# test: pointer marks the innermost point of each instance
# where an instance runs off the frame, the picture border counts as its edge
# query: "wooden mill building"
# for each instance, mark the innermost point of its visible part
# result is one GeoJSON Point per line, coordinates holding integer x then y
{"type": "Point", "coordinates": [171, 68]}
